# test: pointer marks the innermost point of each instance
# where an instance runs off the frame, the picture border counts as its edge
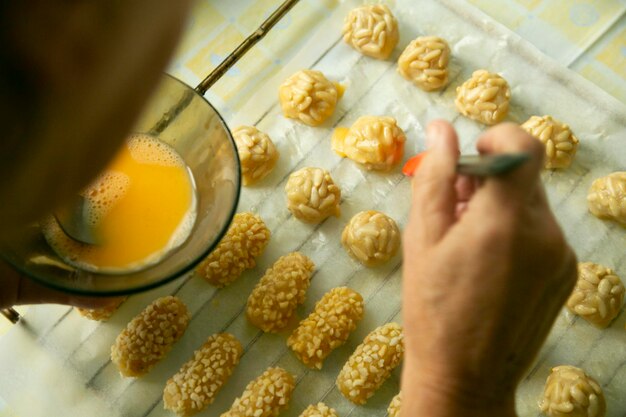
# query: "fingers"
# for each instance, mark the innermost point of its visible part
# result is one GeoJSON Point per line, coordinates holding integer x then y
{"type": "Point", "coordinates": [521, 183]}
{"type": "Point", "coordinates": [434, 195]}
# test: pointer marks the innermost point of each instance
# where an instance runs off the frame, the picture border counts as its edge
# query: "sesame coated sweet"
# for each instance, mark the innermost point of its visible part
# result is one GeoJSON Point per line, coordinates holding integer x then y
{"type": "Point", "coordinates": [484, 97]}
{"type": "Point", "coordinates": [371, 237]}
{"type": "Point", "coordinates": [607, 197]}
{"type": "Point", "coordinates": [335, 316]}
{"type": "Point", "coordinates": [319, 410]}
{"type": "Point", "coordinates": [102, 313]}
{"type": "Point", "coordinates": [273, 301]}
{"type": "Point", "coordinates": [371, 363]}
{"type": "Point", "coordinates": [265, 396]}
{"type": "Point", "coordinates": [312, 195]}
{"type": "Point", "coordinates": [199, 380]}
{"type": "Point", "coordinates": [598, 295]}
{"type": "Point", "coordinates": [375, 142]}
{"type": "Point", "coordinates": [245, 240]}
{"type": "Point", "coordinates": [570, 392]}
{"type": "Point", "coordinates": [425, 62]}
{"type": "Point", "coordinates": [150, 336]}
{"type": "Point", "coordinates": [394, 406]}
{"type": "Point", "coordinates": [308, 96]}
{"type": "Point", "coordinates": [372, 30]}
{"type": "Point", "coordinates": [557, 137]}
{"type": "Point", "coordinates": [257, 153]}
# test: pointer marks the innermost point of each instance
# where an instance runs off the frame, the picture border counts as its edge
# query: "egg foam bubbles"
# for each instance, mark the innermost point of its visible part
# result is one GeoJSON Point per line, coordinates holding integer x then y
{"type": "Point", "coordinates": [141, 207]}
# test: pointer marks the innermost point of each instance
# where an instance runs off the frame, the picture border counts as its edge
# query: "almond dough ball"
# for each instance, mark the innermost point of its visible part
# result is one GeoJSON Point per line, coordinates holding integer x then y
{"type": "Point", "coordinates": [607, 197]}
{"type": "Point", "coordinates": [560, 142]}
{"type": "Point", "coordinates": [598, 295]}
{"type": "Point", "coordinates": [484, 97]}
{"type": "Point", "coordinates": [308, 96]}
{"type": "Point", "coordinates": [570, 392]}
{"type": "Point", "coordinates": [371, 237]}
{"type": "Point", "coordinates": [376, 142]}
{"type": "Point", "coordinates": [257, 153]}
{"type": "Point", "coordinates": [425, 62]}
{"type": "Point", "coordinates": [372, 30]}
{"type": "Point", "coordinates": [312, 195]}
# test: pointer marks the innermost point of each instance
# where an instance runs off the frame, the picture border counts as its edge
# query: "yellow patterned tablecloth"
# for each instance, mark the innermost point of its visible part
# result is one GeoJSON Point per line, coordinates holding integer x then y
{"type": "Point", "coordinates": [585, 35]}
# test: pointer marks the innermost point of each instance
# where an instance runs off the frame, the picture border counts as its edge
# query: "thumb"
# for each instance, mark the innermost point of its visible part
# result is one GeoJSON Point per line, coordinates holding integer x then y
{"type": "Point", "coordinates": [434, 196]}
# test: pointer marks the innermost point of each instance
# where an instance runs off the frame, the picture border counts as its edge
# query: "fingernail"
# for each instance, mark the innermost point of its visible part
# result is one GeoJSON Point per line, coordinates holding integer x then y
{"type": "Point", "coordinates": [433, 136]}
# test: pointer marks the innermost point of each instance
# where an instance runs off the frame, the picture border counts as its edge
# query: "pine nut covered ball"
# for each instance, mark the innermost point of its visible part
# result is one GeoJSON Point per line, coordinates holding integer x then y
{"type": "Point", "coordinates": [560, 142]}
{"type": "Point", "coordinates": [425, 62]}
{"type": "Point", "coordinates": [484, 97]}
{"type": "Point", "coordinates": [319, 410]}
{"type": "Point", "coordinates": [334, 317]}
{"type": "Point", "coordinates": [371, 363]}
{"type": "Point", "coordinates": [394, 406]}
{"type": "Point", "coordinates": [273, 301]}
{"type": "Point", "coordinates": [371, 237]}
{"type": "Point", "coordinates": [372, 30]}
{"type": "Point", "coordinates": [257, 153]}
{"type": "Point", "coordinates": [199, 380]}
{"type": "Point", "coordinates": [375, 142]}
{"type": "Point", "coordinates": [308, 96]}
{"type": "Point", "coordinates": [570, 392]}
{"type": "Point", "coordinates": [102, 313]}
{"type": "Point", "coordinates": [598, 295]}
{"type": "Point", "coordinates": [245, 240]}
{"type": "Point", "coordinates": [312, 195]}
{"type": "Point", "coordinates": [607, 197]}
{"type": "Point", "coordinates": [266, 396]}
{"type": "Point", "coordinates": [150, 336]}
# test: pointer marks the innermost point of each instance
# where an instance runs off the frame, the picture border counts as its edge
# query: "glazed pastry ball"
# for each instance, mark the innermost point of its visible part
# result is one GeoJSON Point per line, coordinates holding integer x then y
{"type": "Point", "coordinates": [372, 30]}
{"type": "Point", "coordinates": [308, 96]}
{"type": "Point", "coordinates": [312, 195]}
{"type": "Point", "coordinates": [425, 62]}
{"type": "Point", "coordinates": [371, 237]}
{"type": "Point", "coordinates": [607, 197]}
{"type": "Point", "coordinates": [257, 153]}
{"type": "Point", "coordinates": [598, 295]}
{"type": "Point", "coordinates": [560, 142]}
{"type": "Point", "coordinates": [375, 142]}
{"type": "Point", "coordinates": [570, 392]}
{"type": "Point", "coordinates": [484, 97]}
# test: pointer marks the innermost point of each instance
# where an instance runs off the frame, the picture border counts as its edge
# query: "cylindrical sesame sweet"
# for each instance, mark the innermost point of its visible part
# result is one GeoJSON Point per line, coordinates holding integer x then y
{"type": "Point", "coordinates": [199, 380]}
{"type": "Point", "coordinates": [394, 406]}
{"type": "Point", "coordinates": [245, 240]}
{"type": "Point", "coordinates": [335, 316]}
{"type": "Point", "coordinates": [150, 336]}
{"type": "Point", "coordinates": [101, 313]}
{"type": "Point", "coordinates": [266, 396]}
{"type": "Point", "coordinates": [371, 363]}
{"type": "Point", "coordinates": [283, 287]}
{"type": "Point", "coordinates": [319, 410]}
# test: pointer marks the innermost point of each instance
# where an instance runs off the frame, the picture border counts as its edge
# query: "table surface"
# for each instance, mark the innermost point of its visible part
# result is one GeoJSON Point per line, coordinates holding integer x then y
{"type": "Point", "coordinates": [587, 36]}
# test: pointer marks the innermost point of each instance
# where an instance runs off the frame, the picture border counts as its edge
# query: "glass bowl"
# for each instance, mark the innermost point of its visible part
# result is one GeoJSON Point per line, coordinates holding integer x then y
{"type": "Point", "coordinates": [184, 119]}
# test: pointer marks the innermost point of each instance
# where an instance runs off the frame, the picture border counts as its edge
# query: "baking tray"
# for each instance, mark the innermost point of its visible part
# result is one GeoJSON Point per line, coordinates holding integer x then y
{"type": "Point", "coordinates": [55, 344]}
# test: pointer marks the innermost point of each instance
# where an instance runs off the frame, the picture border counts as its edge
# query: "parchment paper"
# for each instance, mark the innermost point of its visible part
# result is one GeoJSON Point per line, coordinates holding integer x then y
{"type": "Point", "coordinates": [57, 363]}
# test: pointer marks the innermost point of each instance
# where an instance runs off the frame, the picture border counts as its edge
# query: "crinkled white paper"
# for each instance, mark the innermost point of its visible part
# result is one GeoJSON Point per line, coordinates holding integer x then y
{"type": "Point", "coordinates": [57, 363]}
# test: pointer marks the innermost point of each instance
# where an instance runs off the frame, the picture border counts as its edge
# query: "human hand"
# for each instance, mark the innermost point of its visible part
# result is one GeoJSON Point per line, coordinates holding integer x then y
{"type": "Point", "coordinates": [486, 271]}
{"type": "Point", "coordinates": [16, 289]}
